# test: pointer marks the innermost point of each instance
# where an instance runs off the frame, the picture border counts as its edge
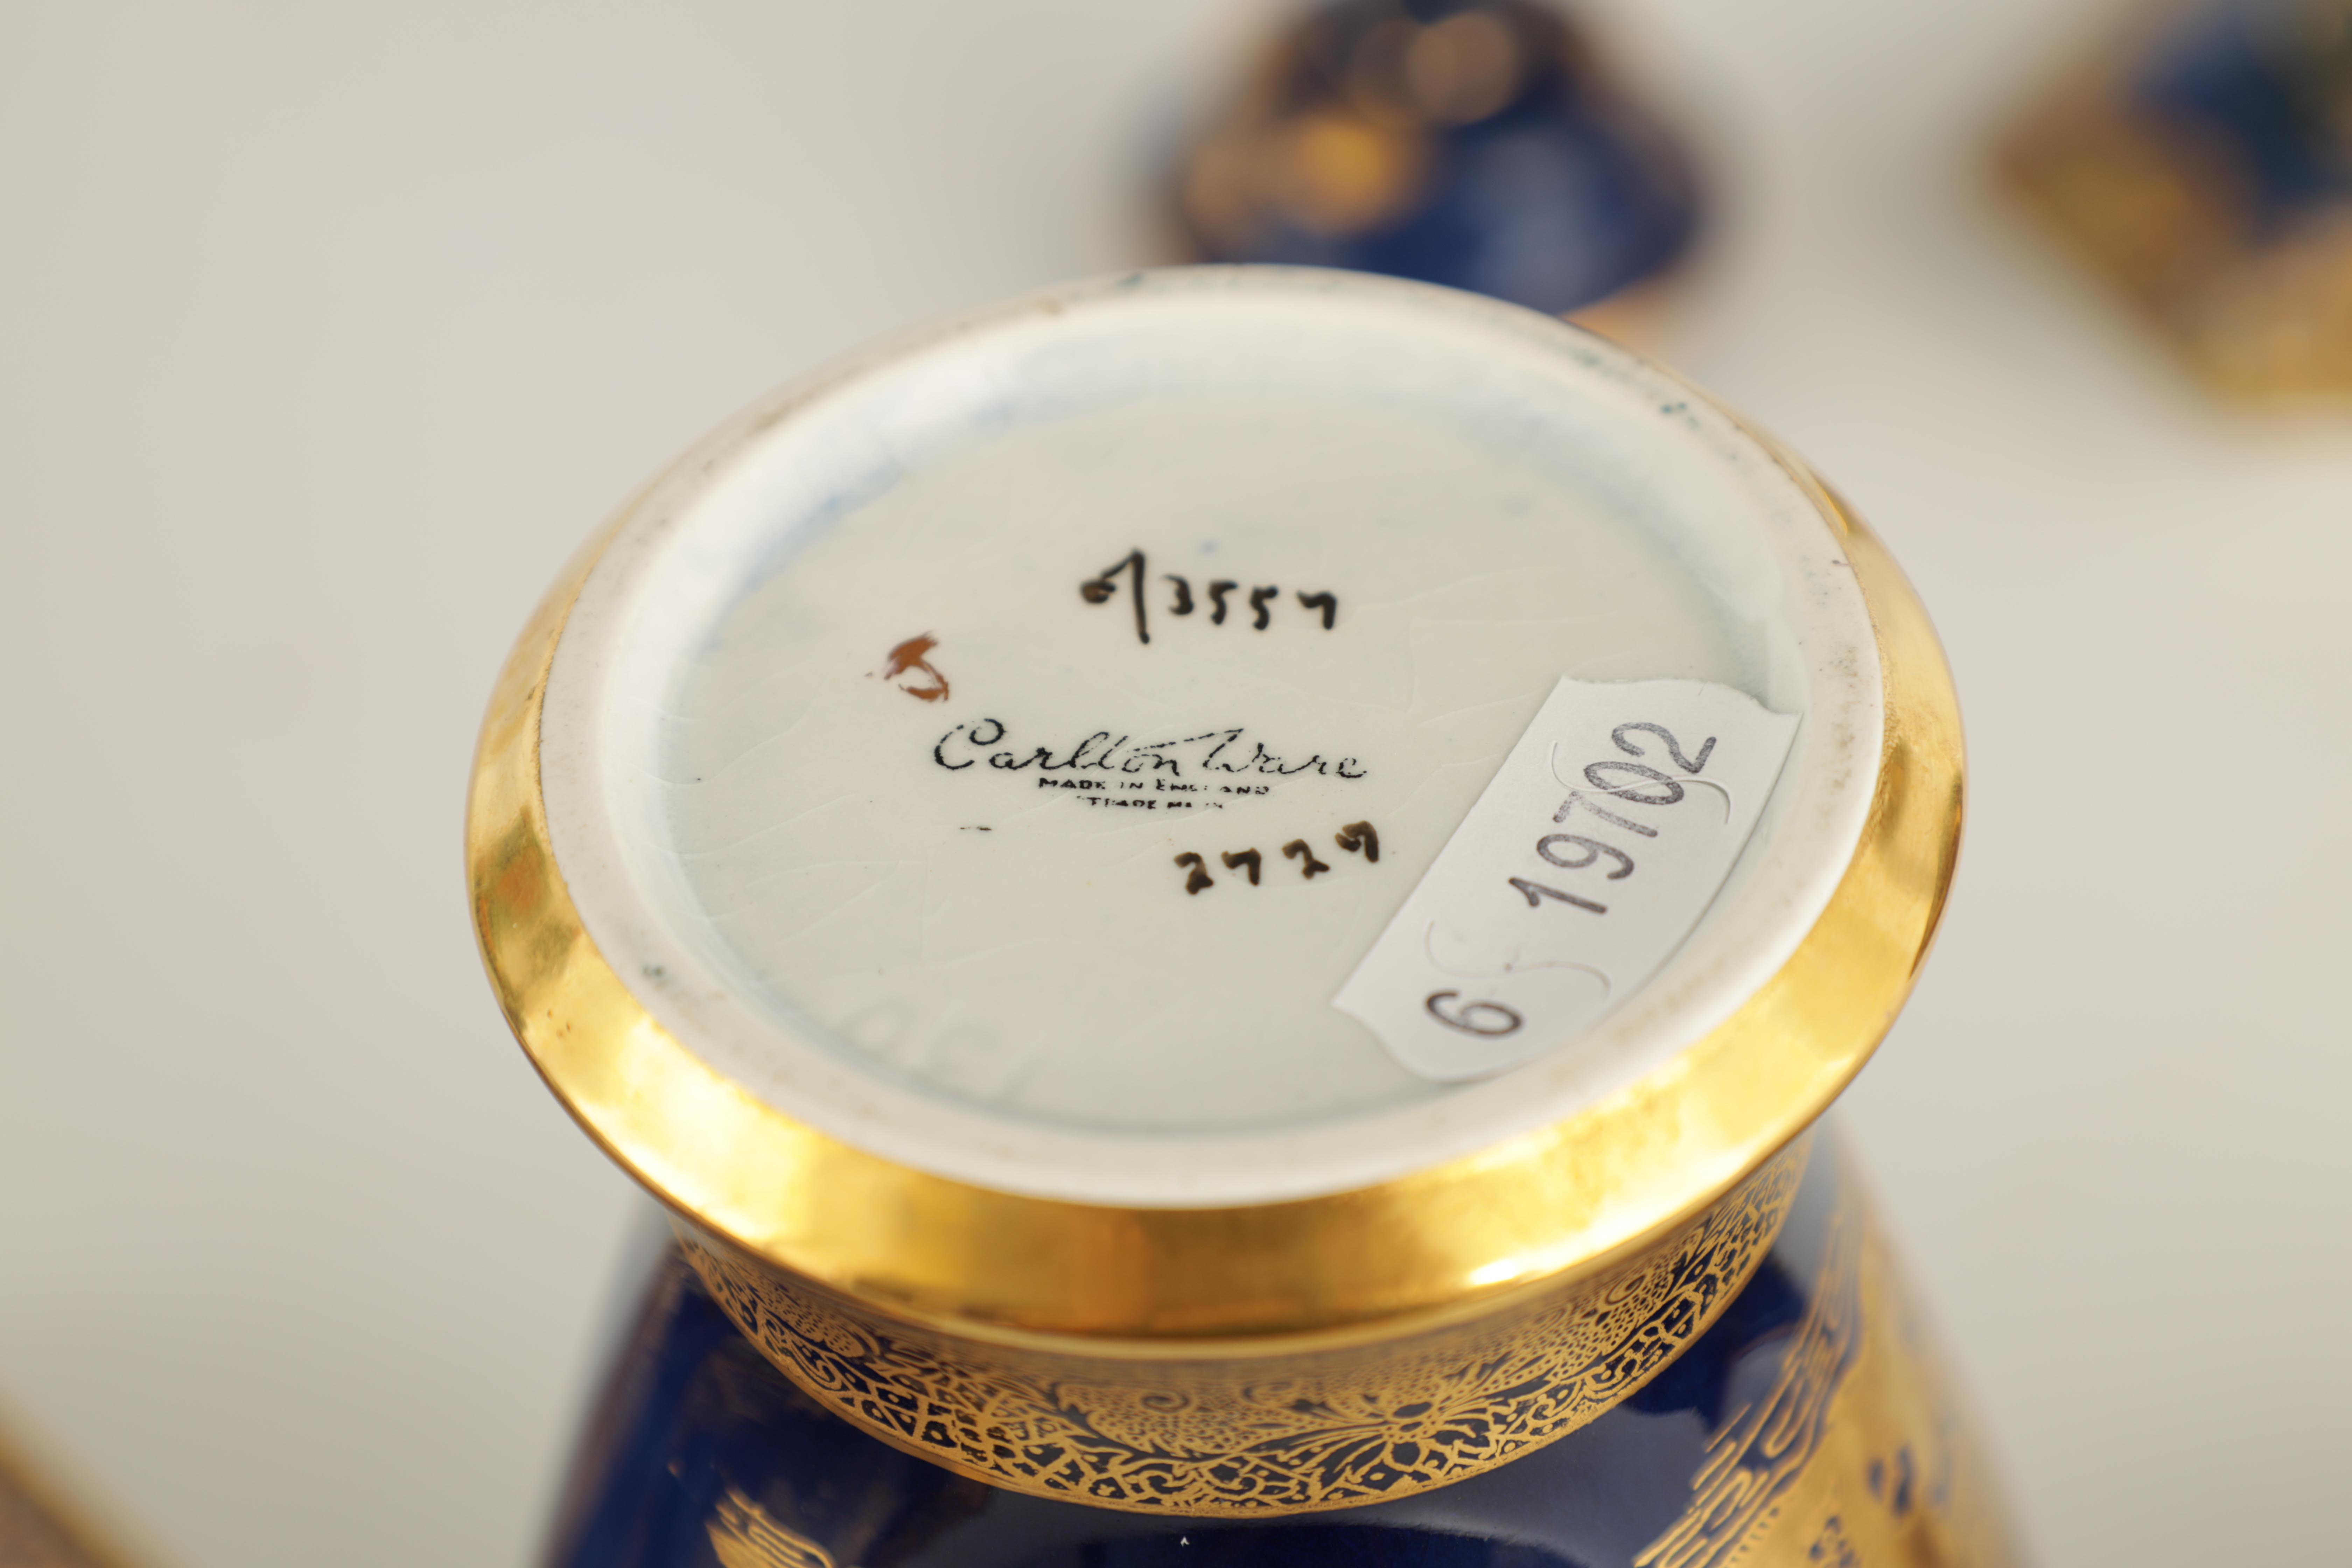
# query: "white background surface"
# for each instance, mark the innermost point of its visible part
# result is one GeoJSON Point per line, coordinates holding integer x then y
{"type": "Point", "coordinates": [325, 333]}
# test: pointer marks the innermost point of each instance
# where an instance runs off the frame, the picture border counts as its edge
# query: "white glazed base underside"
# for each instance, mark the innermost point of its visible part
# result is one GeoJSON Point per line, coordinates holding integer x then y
{"type": "Point", "coordinates": [848, 896]}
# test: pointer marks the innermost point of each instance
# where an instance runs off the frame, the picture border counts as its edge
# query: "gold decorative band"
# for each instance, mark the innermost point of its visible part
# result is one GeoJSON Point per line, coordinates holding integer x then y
{"type": "Point", "coordinates": [1263, 1435]}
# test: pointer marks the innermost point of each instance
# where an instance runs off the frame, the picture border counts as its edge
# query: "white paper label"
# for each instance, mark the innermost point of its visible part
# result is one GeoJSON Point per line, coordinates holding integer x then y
{"type": "Point", "coordinates": [1582, 868]}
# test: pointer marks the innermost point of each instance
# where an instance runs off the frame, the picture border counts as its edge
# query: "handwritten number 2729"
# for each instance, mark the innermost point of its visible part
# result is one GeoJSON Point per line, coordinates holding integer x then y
{"type": "Point", "coordinates": [1356, 839]}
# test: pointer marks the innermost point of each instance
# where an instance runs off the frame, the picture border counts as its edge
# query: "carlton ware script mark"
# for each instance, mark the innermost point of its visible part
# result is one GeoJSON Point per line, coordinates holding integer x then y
{"type": "Point", "coordinates": [1227, 757]}
{"type": "Point", "coordinates": [1588, 860]}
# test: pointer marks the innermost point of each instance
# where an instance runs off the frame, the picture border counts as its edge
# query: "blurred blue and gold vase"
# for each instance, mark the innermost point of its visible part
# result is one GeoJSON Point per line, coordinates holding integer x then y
{"type": "Point", "coordinates": [2199, 160]}
{"type": "Point", "coordinates": [1478, 143]}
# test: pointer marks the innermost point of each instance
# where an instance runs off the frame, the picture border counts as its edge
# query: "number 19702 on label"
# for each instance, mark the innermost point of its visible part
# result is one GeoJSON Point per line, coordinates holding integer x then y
{"type": "Point", "coordinates": [1583, 865]}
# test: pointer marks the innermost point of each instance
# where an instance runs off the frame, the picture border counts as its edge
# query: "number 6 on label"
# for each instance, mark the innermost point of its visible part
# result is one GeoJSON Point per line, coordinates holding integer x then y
{"type": "Point", "coordinates": [1465, 1017]}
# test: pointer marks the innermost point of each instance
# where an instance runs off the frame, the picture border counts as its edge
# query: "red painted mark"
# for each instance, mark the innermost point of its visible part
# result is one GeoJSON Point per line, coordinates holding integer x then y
{"type": "Point", "coordinates": [908, 655]}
